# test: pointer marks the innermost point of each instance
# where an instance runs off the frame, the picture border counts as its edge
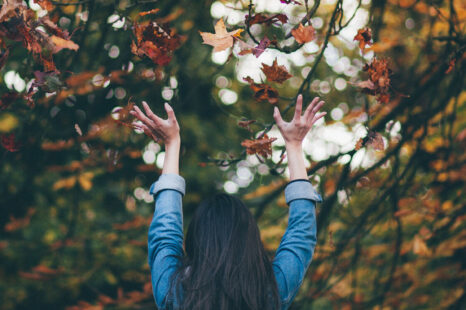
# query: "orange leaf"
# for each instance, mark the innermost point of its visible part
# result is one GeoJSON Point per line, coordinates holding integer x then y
{"type": "Point", "coordinates": [275, 72]}
{"type": "Point", "coordinates": [304, 34]}
{"type": "Point", "coordinates": [364, 36]}
{"type": "Point", "coordinates": [61, 43]}
{"type": "Point", "coordinates": [153, 11]}
{"type": "Point", "coordinates": [261, 146]}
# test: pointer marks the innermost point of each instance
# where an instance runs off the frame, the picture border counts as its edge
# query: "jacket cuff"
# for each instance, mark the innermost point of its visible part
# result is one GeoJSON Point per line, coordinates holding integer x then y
{"type": "Point", "coordinates": [301, 189]}
{"type": "Point", "coordinates": [168, 181]}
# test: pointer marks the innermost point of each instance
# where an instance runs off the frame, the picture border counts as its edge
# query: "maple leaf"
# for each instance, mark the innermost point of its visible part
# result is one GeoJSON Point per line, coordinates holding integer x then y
{"type": "Point", "coordinates": [9, 142]}
{"type": "Point", "coordinates": [275, 72]}
{"type": "Point", "coordinates": [304, 34]}
{"type": "Point", "coordinates": [262, 91]}
{"type": "Point", "coordinates": [155, 41]}
{"type": "Point", "coordinates": [364, 36]}
{"type": "Point", "coordinates": [221, 39]}
{"type": "Point", "coordinates": [261, 146]}
{"type": "Point", "coordinates": [260, 48]}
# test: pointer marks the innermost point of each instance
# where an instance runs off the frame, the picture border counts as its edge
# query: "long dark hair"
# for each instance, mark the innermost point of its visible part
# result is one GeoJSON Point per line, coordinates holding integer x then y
{"type": "Point", "coordinates": [226, 266]}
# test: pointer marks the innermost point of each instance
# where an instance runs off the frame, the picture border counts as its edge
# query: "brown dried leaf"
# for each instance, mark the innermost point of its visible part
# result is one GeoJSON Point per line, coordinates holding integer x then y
{"type": "Point", "coordinates": [261, 146]}
{"type": "Point", "coordinates": [275, 72]}
{"type": "Point", "coordinates": [263, 91]}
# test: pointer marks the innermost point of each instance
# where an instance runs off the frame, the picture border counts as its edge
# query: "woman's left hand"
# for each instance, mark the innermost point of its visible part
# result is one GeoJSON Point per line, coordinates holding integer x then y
{"type": "Point", "coordinates": [166, 130]}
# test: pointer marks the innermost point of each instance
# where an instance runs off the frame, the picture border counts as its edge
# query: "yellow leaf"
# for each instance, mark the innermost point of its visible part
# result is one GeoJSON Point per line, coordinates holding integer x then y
{"type": "Point", "coordinates": [85, 180]}
{"type": "Point", "coordinates": [65, 183]}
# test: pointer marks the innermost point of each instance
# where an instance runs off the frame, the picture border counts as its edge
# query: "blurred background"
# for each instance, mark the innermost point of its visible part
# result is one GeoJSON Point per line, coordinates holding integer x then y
{"type": "Point", "coordinates": [74, 196]}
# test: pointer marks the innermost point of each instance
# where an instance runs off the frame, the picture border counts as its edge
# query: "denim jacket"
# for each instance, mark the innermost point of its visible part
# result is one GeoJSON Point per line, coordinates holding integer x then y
{"type": "Point", "coordinates": [291, 260]}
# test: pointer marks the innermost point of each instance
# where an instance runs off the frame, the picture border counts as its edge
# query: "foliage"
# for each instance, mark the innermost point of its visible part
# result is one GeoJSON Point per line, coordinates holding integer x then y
{"type": "Point", "coordinates": [75, 173]}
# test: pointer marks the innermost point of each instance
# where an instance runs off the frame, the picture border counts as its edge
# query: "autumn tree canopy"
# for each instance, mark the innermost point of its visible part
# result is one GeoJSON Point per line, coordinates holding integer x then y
{"type": "Point", "coordinates": [389, 158]}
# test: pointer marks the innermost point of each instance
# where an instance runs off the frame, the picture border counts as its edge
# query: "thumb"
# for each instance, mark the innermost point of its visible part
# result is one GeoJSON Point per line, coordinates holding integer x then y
{"type": "Point", "coordinates": [277, 116]}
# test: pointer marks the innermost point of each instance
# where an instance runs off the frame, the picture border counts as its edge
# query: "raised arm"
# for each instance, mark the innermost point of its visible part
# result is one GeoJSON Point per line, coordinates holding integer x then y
{"type": "Point", "coordinates": [165, 241]}
{"type": "Point", "coordinates": [296, 248]}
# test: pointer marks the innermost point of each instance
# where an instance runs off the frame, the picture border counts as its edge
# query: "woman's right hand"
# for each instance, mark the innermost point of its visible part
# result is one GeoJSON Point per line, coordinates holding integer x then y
{"type": "Point", "coordinates": [166, 130]}
{"type": "Point", "coordinates": [294, 132]}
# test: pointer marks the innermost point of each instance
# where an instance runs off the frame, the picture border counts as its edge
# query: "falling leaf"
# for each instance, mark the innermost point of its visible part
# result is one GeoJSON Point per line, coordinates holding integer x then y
{"type": "Point", "coordinates": [260, 18]}
{"type": "Point", "coordinates": [9, 142]}
{"type": "Point", "coordinates": [246, 124]}
{"type": "Point", "coordinates": [15, 224]}
{"type": "Point", "coordinates": [263, 91]}
{"type": "Point", "coordinates": [304, 34]}
{"type": "Point", "coordinates": [420, 247]}
{"type": "Point", "coordinates": [364, 36]}
{"type": "Point", "coordinates": [260, 48]}
{"type": "Point", "coordinates": [261, 146]}
{"type": "Point", "coordinates": [451, 65]}
{"type": "Point", "coordinates": [221, 39]}
{"type": "Point", "coordinates": [65, 183]}
{"type": "Point", "coordinates": [60, 43]}
{"type": "Point", "coordinates": [58, 145]}
{"type": "Point", "coordinates": [155, 41]}
{"type": "Point", "coordinates": [275, 72]}
{"type": "Point", "coordinates": [153, 11]}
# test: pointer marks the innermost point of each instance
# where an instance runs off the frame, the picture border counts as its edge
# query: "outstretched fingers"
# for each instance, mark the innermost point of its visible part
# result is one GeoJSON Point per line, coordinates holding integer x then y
{"type": "Point", "coordinates": [151, 114]}
{"type": "Point", "coordinates": [317, 117]}
{"type": "Point", "coordinates": [141, 116]}
{"type": "Point", "coordinates": [308, 113]}
{"type": "Point", "coordinates": [299, 108]}
{"type": "Point", "coordinates": [278, 117]}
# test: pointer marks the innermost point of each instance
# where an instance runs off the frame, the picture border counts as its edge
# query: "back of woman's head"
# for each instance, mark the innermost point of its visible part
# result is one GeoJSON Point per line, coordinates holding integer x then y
{"type": "Point", "coordinates": [226, 266]}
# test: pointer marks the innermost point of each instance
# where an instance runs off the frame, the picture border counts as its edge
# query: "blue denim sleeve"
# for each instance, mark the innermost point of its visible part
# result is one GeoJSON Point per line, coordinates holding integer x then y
{"type": "Point", "coordinates": [296, 248]}
{"type": "Point", "coordinates": [165, 242]}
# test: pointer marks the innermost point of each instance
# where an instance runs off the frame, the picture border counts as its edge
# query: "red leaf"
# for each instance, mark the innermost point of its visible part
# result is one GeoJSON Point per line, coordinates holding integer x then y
{"type": "Point", "coordinates": [9, 142]}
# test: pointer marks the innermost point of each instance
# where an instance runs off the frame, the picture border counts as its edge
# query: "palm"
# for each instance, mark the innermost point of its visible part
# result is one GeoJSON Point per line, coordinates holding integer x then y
{"type": "Point", "coordinates": [297, 129]}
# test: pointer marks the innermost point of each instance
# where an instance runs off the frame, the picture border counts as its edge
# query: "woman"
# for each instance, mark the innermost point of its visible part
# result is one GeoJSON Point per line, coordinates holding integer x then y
{"type": "Point", "coordinates": [225, 266]}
